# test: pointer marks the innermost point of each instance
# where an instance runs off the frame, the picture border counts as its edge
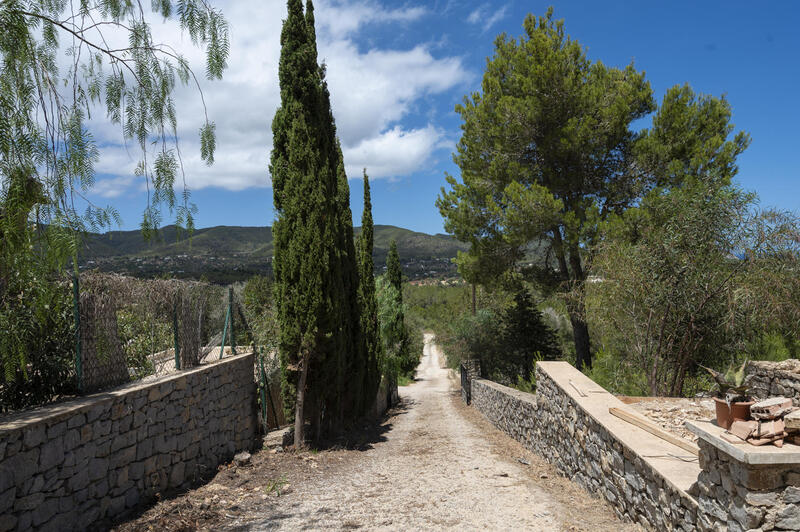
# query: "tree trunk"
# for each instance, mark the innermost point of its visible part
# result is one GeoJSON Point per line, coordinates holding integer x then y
{"type": "Point", "coordinates": [580, 335]}
{"type": "Point", "coordinates": [580, 329]}
{"type": "Point", "coordinates": [299, 418]}
{"type": "Point", "coordinates": [473, 299]}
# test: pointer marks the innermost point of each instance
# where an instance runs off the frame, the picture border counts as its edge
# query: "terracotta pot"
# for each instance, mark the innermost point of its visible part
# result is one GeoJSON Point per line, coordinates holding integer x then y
{"type": "Point", "coordinates": [737, 411]}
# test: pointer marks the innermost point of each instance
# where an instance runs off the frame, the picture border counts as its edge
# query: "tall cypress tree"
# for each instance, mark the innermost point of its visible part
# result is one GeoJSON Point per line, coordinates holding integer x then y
{"type": "Point", "coordinates": [393, 269]}
{"type": "Point", "coordinates": [367, 299]}
{"type": "Point", "coordinates": [395, 277]}
{"type": "Point", "coordinates": [353, 353]}
{"type": "Point", "coordinates": [316, 273]}
{"type": "Point", "coordinates": [304, 189]}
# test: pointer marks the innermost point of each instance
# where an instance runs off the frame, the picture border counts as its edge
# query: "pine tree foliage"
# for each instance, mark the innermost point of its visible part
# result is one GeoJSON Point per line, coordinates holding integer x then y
{"type": "Point", "coordinates": [367, 299]}
{"type": "Point", "coordinates": [316, 274]}
{"type": "Point", "coordinates": [545, 157]}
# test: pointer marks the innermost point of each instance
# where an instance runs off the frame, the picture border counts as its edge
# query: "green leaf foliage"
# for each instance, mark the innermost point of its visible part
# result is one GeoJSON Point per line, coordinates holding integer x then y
{"type": "Point", "coordinates": [367, 299]}
{"type": "Point", "coordinates": [393, 271]}
{"type": "Point", "coordinates": [47, 152]}
{"type": "Point", "coordinates": [545, 155]}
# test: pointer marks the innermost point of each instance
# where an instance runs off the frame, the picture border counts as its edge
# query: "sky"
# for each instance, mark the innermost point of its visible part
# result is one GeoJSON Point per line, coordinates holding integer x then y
{"type": "Point", "coordinates": [396, 70]}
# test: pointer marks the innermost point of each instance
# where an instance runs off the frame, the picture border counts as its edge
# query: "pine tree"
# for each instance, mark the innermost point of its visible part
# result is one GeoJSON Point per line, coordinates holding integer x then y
{"type": "Point", "coordinates": [367, 300]}
{"type": "Point", "coordinates": [525, 336]}
{"type": "Point", "coordinates": [393, 270]}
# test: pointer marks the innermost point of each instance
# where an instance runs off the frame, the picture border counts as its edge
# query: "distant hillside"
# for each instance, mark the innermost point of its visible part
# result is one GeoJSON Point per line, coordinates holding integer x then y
{"type": "Point", "coordinates": [218, 240]}
{"type": "Point", "coordinates": [226, 253]}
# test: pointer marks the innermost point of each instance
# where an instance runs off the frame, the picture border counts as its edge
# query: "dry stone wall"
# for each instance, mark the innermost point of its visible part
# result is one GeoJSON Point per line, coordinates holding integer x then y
{"type": "Point", "coordinates": [553, 425]}
{"type": "Point", "coordinates": [746, 497]}
{"type": "Point", "coordinates": [568, 422]}
{"type": "Point", "coordinates": [67, 466]}
{"type": "Point", "coordinates": [770, 379]}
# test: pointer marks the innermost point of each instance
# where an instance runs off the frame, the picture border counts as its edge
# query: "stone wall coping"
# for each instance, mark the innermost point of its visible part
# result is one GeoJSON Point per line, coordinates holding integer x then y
{"type": "Point", "coordinates": [709, 432]}
{"type": "Point", "coordinates": [58, 411]}
{"type": "Point", "coordinates": [659, 454]}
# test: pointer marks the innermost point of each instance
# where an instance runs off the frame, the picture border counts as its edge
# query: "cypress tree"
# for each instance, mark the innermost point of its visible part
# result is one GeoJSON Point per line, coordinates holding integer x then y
{"type": "Point", "coordinates": [316, 272]}
{"type": "Point", "coordinates": [352, 348]}
{"type": "Point", "coordinates": [304, 190]}
{"type": "Point", "coordinates": [395, 277]}
{"type": "Point", "coordinates": [393, 269]}
{"type": "Point", "coordinates": [367, 300]}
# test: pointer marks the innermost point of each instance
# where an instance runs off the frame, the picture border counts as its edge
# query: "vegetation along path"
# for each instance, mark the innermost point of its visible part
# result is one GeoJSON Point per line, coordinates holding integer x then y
{"type": "Point", "coordinates": [433, 463]}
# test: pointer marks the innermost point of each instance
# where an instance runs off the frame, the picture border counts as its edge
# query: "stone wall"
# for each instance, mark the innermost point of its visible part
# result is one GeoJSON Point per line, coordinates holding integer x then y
{"type": "Point", "coordinates": [67, 466]}
{"type": "Point", "coordinates": [553, 424]}
{"type": "Point", "coordinates": [748, 497]}
{"type": "Point", "coordinates": [770, 379]}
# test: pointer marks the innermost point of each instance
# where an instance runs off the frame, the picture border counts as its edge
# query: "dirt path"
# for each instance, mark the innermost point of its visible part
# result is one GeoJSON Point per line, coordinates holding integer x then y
{"type": "Point", "coordinates": [434, 463]}
{"type": "Point", "coordinates": [435, 469]}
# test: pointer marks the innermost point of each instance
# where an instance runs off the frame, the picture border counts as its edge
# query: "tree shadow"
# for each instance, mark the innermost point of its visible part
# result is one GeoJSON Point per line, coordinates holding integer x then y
{"type": "Point", "coordinates": [367, 432]}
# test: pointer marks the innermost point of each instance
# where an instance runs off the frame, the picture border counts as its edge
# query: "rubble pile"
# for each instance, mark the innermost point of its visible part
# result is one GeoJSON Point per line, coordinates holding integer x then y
{"type": "Point", "coordinates": [774, 421]}
{"type": "Point", "coordinates": [672, 413]}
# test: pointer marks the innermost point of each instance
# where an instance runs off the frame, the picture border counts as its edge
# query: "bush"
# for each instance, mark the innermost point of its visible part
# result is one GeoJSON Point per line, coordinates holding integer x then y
{"type": "Point", "coordinates": [42, 344]}
{"type": "Point", "coordinates": [141, 335]}
{"type": "Point", "coordinates": [507, 340]}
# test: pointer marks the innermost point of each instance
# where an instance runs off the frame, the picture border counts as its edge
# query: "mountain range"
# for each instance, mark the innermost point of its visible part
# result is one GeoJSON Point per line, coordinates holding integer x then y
{"type": "Point", "coordinates": [226, 253]}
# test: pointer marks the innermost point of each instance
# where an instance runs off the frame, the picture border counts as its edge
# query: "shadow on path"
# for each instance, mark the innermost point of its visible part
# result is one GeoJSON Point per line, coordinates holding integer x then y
{"type": "Point", "coordinates": [366, 433]}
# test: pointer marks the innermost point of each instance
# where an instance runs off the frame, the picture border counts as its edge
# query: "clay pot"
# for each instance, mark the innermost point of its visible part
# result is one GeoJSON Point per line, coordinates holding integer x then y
{"type": "Point", "coordinates": [737, 411]}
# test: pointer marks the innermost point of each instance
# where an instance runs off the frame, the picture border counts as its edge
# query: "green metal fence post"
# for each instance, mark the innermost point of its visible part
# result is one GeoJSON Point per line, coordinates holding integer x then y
{"type": "Point", "coordinates": [230, 313]}
{"type": "Point", "coordinates": [175, 334]}
{"type": "Point", "coordinates": [77, 314]}
{"type": "Point", "coordinates": [263, 393]}
{"type": "Point", "coordinates": [224, 332]}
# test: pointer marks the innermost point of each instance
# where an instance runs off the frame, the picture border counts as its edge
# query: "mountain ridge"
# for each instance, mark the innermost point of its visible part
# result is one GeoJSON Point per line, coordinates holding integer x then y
{"type": "Point", "coordinates": [240, 251]}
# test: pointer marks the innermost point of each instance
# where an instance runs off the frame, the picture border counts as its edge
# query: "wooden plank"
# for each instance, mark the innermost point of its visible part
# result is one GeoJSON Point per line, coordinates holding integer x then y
{"type": "Point", "coordinates": [655, 430]}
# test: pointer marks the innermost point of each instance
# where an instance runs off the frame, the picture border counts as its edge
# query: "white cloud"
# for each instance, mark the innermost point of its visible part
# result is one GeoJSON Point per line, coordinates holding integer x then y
{"type": "Point", "coordinates": [341, 18]}
{"type": "Point", "coordinates": [374, 91]}
{"type": "Point", "coordinates": [113, 187]}
{"type": "Point", "coordinates": [484, 17]}
{"type": "Point", "coordinates": [395, 153]}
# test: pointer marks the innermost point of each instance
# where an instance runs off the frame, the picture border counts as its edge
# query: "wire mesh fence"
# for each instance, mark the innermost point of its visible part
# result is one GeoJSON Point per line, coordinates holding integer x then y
{"type": "Point", "coordinates": [133, 328]}
{"type": "Point", "coordinates": [127, 329]}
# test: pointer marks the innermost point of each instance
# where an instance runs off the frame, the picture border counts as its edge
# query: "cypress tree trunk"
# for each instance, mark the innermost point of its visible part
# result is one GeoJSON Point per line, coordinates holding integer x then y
{"type": "Point", "coordinates": [299, 418]}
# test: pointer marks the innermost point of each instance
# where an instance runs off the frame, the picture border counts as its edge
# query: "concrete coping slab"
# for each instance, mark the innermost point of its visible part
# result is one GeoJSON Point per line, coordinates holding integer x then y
{"type": "Point", "coordinates": [711, 433]}
{"type": "Point", "coordinates": [676, 466]}
{"type": "Point", "coordinates": [57, 411]}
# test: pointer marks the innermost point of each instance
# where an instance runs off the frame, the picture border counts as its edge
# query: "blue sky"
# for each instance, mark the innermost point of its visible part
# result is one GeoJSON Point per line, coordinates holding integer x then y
{"type": "Point", "coordinates": [397, 70]}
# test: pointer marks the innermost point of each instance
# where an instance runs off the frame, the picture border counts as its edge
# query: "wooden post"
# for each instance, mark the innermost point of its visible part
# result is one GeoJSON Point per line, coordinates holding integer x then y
{"type": "Point", "coordinates": [175, 333]}
{"type": "Point", "coordinates": [76, 299]}
{"type": "Point", "coordinates": [230, 313]}
{"type": "Point", "coordinates": [474, 310]}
